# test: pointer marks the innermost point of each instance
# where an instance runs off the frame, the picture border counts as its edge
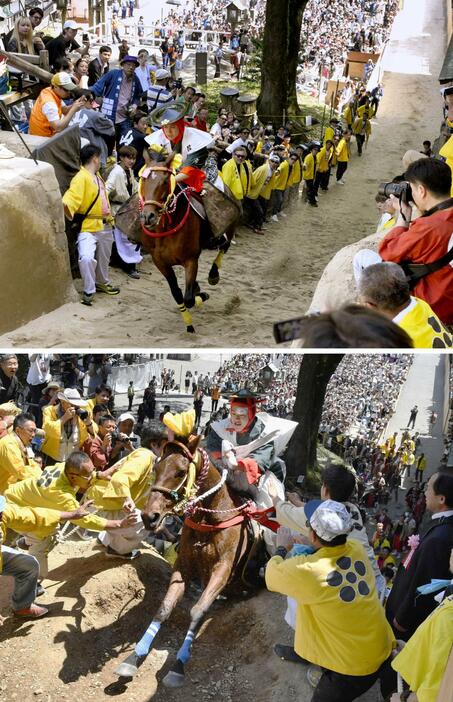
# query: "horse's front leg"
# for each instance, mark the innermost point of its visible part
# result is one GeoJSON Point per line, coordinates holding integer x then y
{"type": "Point", "coordinates": [129, 667]}
{"type": "Point", "coordinates": [193, 296]}
{"type": "Point", "coordinates": [219, 578]}
{"type": "Point", "coordinates": [169, 274]}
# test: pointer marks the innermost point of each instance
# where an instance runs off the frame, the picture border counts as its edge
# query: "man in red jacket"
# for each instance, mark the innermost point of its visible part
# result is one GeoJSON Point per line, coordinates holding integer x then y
{"type": "Point", "coordinates": [428, 238]}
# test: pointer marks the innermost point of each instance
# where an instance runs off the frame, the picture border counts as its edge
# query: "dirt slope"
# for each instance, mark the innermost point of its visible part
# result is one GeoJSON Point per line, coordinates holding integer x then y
{"type": "Point", "coordinates": [100, 608]}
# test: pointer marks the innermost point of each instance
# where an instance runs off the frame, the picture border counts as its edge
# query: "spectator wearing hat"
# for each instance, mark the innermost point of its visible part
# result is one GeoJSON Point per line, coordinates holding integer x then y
{"type": "Point", "coordinates": [336, 597]}
{"type": "Point", "coordinates": [120, 90]}
{"type": "Point", "coordinates": [49, 114]}
{"type": "Point", "coordinates": [158, 94]}
{"type": "Point", "coordinates": [9, 383]}
{"type": "Point", "coordinates": [65, 43]}
{"type": "Point", "coordinates": [66, 426]}
{"type": "Point", "coordinates": [48, 397]}
{"type": "Point", "coordinates": [129, 441]}
{"type": "Point", "coordinates": [16, 453]}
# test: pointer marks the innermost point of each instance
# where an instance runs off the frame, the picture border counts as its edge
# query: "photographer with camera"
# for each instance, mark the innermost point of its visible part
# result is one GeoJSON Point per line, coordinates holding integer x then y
{"type": "Point", "coordinates": [66, 425]}
{"type": "Point", "coordinates": [125, 440]}
{"type": "Point", "coordinates": [424, 246]}
{"type": "Point", "coordinates": [102, 449]}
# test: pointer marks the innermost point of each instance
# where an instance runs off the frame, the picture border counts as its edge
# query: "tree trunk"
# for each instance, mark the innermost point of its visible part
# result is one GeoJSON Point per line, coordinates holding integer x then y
{"type": "Point", "coordinates": [314, 375]}
{"type": "Point", "coordinates": [272, 101]}
{"type": "Point", "coordinates": [296, 9]}
{"type": "Point", "coordinates": [91, 11]}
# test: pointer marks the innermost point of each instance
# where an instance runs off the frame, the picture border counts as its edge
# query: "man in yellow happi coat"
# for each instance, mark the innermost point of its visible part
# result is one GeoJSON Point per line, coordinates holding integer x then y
{"type": "Point", "coordinates": [237, 173]}
{"type": "Point", "coordinates": [16, 455]}
{"type": "Point", "coordinates": [127, 491]}
{"type": "Point", "coordinates": [56, 489]}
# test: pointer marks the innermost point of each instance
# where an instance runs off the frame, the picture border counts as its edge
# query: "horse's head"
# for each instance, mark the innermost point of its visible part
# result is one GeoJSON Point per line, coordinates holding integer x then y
{"type": "Point", "coordinates": [175, 475]}
{"type": "Point", "coordinates": [156, 186]}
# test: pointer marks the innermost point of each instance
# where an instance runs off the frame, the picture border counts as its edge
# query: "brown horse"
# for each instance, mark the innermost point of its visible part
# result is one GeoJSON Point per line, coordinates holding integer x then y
{"type": "Point", "coordinates": [172, 232]}
{"type": "Point", "coordinates": [208, 554]}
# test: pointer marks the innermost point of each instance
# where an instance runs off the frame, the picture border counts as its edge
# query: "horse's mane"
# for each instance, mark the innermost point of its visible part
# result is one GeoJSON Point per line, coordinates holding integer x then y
{"type": "Point", "coordinates": [157, 156]}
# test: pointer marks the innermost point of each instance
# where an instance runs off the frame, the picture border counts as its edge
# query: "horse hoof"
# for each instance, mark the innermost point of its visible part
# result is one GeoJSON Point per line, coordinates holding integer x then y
{"type": "Point", "coordinates": [173, 679]}
{"type": "Point", "coordinates": [213, 280]}
{"type": "Point", "coordinates": [190, 329]}
{"type": "Point", "coordinates": [129, 667]}
{"type": "Point", "coordinates": [204, 296]}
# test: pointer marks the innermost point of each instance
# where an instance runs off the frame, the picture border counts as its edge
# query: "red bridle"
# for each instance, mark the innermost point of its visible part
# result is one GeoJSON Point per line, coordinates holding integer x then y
{"type": "Point", "coordinates": [166, 208]}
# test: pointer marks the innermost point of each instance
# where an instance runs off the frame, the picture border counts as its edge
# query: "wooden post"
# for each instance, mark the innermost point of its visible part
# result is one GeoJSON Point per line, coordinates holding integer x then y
{"type": "Point", "coordinates": [44, 60]}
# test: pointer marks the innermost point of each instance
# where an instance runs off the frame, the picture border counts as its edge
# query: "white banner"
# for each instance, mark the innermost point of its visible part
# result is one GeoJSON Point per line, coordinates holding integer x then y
{"type": "Point", "coordinates": [140, 374]}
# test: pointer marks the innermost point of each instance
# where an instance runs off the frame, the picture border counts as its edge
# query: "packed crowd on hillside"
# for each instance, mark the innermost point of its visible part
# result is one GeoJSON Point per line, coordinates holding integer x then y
{"type": "Point", "coordinates": [84, 451]}
{"type": "Point", "coordinates": [265, 167]}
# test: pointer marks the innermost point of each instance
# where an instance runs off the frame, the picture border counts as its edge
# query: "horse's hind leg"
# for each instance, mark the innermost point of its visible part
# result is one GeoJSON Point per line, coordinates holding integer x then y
{"type": "Point", "coordinates": [169, 274]}
{"type": "Point", "coordinates": [214, 273]}
{"type": "Point", "coordinates": [129, 667]}
{"type": "Point", "coordinates": [217, 581]}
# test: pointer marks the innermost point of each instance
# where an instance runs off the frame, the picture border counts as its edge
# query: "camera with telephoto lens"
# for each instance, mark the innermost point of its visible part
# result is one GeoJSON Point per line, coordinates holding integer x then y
{"type": "Point", "coordinates": [116, 436]}
{"type": "Point", "coordinates": [177, 83]}
{"type": "Point", "coordinates": [83, 414]}
{"type": "Point", "coordinates": [402, 191]}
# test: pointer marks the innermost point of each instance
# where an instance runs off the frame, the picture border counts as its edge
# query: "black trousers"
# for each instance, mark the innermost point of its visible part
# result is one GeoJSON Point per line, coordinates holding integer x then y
{"type": "Point", "coordinates": [322, 180]}
{"type": "Point", "coordinates": [277, 201]}
{"type": "Point", "coordinates": [360, 138]}
{"type": "Point", "coordinates": [312, 191]}
{"type": "Point", "coordinates": [335, 687]}
{"type": "Point", "coordinates": [264, 206]}
{"type": "Point", "coordinates": [341, 169]}
{"type": "Point", "coordinates": [254, 212]}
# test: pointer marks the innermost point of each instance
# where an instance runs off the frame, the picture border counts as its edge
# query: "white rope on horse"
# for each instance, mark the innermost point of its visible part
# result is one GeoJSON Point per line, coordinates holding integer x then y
{"type": "Point", "coordinates": [209, 492]}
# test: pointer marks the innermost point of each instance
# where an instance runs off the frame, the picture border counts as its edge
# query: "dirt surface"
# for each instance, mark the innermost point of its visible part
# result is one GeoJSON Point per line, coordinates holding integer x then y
{"type": "Point", "coordinates": [266, 279]}
{"type": "Point", "coordinates": [99, 609]}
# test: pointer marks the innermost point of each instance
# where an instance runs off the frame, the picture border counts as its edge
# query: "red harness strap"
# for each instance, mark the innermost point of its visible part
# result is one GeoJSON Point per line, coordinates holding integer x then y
{"type": "Point", "coordinates": [168, 232]}
{"type": "Point", "coordinates": [259, 515]}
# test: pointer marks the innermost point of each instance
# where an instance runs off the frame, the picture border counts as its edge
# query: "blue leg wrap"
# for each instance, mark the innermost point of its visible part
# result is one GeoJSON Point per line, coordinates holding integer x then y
{"type": "Point", "coordinates": [185, 650]}
{"type": "Point", "coordinates": [145, 643]}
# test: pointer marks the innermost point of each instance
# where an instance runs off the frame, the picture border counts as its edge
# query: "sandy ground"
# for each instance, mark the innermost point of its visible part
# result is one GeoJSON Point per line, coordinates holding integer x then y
{"type": "Point", "coordinates": [270, 278]}
{"type": "Point", "coordinates": [98, 611]}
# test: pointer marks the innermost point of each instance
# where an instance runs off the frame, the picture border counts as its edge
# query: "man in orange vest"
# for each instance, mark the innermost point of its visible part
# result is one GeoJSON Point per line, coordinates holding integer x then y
{"type": "Point", "coordinates": [49, 114]}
